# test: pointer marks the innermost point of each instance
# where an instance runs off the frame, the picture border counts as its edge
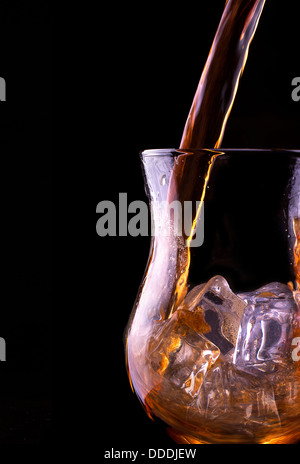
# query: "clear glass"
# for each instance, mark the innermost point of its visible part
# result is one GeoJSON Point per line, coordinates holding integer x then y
{"type": "Point", "coordinates": [213, 341]}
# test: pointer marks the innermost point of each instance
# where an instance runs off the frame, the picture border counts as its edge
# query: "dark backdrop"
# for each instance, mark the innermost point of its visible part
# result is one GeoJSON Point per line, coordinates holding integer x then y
{"type": "Point", "coordinates": [25, 147]}
{"type": "Point", "coordinates": [151, 57]}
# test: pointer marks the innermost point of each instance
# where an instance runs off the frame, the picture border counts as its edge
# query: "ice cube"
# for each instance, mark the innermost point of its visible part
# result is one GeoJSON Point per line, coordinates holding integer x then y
{"type": "Point", "coordinates": [265, 333]}
{"type": "Point", "coordinates": [181, 353]}
{"type": "Point", "coordinates": [223, 311]}
{"type": "Point", "coordinates": [241, 399]}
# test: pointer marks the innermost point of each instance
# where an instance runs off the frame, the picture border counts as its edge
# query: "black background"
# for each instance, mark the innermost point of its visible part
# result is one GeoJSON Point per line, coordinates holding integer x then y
{"type": "Point", "coordinates": [151, 57]}
{"type": "Point", "coordinates": [25, 146]}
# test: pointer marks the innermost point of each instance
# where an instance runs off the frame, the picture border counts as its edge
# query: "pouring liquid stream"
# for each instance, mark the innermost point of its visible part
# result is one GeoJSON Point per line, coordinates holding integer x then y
{"type": "Point", "coordinates": [210, 111]}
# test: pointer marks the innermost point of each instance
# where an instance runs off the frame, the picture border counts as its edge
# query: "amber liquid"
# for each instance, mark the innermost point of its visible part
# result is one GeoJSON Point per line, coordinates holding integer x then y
{"type": "Point", "coordinates": [218, 85]}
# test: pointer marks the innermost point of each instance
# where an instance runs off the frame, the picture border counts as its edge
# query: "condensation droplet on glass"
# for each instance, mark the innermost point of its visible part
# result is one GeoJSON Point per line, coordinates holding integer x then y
{"type": "Point", "coordinates": [163, 180]}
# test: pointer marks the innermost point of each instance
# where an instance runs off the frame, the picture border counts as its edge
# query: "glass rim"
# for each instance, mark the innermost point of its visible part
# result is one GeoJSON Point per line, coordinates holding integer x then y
{"type": "Point", "coordinates": [173, 152]}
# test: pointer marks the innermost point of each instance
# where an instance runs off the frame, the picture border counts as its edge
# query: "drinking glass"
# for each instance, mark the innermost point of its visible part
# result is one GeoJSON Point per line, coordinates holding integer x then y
{"type": "Point", "coordinates": [213, 341]}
